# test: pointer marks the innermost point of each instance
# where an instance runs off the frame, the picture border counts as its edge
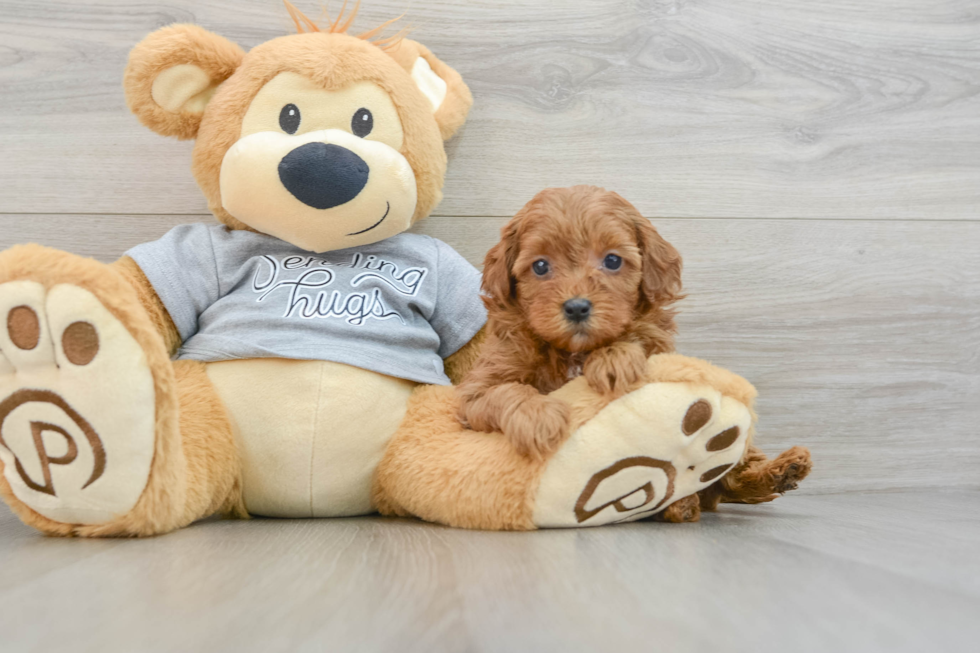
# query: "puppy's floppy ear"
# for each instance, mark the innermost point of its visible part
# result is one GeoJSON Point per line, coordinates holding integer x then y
{"type": "Point", "coordinates": [172, 74]}
{"type": "Point", "coordinates": [498, 277]}
{"type": "Point", "coordinates": [441, 85]}
{"type": "Point", "coordinates": [661, 265]}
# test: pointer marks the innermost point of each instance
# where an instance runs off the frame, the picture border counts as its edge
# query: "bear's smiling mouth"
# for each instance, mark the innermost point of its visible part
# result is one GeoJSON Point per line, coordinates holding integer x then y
{"type": "Point", "coordinates": [387, 209]}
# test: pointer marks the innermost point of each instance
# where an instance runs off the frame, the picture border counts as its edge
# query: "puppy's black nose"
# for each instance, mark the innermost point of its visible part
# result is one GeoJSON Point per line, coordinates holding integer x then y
{"type": "Point", "coordinates": [323, 175]}
{"type": "Point", "coordinates": [577, 309]}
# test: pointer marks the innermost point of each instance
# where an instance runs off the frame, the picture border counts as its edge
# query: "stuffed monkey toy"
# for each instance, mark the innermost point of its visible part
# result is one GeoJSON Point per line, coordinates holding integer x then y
{"type": "Point", "coordinates": [296, 360]}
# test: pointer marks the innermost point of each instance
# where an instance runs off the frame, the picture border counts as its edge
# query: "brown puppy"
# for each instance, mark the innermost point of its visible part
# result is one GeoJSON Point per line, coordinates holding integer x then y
{"type": "Point", "coordinates": [581, 283]}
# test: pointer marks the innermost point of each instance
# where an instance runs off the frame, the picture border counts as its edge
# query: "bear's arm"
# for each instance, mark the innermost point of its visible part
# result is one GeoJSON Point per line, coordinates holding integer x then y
{"type": "Point", "coordinates": [459, 363]}
{"type": "Point", "coordinates": [161, 319]}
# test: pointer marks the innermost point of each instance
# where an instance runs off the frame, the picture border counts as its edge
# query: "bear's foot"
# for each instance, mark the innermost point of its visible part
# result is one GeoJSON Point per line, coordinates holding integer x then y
{"type": "Point", "coordinates": [645, 451]}
{"type": "Point", "coordinates": [78, 397]}
{"type": "Point", "coordinates": [76, 405]}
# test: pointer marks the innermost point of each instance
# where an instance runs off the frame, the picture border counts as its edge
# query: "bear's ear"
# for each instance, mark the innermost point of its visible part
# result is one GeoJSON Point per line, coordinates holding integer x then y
{"type": "Point", "coordinates": [172, 74]}
{"type": "Point", "coordinates": [444, 87]}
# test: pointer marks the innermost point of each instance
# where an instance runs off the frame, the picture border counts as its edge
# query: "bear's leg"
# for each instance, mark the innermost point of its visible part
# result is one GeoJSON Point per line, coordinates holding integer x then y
{"type": "Point", "coordinates": [672, 435]}
{"type": "Point", "coordinates": [91, 408]}
{"type": "Point", "coordinates": [435, 469]}
{"type": "Point", "coordinates": [212, 461]}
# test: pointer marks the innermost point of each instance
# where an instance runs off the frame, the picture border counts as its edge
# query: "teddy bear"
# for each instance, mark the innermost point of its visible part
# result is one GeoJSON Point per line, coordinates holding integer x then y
{"type": "Point", "coordinates": [296, 359]}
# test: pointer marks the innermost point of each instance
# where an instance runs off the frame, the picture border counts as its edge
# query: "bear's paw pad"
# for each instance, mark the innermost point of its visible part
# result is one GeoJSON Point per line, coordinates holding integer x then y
{"type": "Point", "coordinates": [77, 408]}
{"type": "Point", "coordinates": [641, 453]}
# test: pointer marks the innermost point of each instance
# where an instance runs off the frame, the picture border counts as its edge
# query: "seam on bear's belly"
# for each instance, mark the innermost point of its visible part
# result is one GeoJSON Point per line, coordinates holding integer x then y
{"type": "Point", "coordinates": [315, 432]}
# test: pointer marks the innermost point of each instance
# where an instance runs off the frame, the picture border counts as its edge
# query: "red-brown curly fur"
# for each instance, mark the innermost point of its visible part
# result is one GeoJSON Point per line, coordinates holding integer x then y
{"type": "Point", "coordinates": [532, 347]}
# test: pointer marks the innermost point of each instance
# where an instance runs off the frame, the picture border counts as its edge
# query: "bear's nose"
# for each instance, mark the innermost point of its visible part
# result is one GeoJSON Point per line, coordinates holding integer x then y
{"type": "Point", "coordinates": [323, 175]}
{"type": "Point", "coordinates": [577, 309]}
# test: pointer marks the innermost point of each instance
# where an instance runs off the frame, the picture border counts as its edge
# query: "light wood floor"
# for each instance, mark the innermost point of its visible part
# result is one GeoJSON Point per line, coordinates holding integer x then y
{"type": "Point", "coordinates": [818, 166]}
{"type": "Point", "coordinates": [873, 572]}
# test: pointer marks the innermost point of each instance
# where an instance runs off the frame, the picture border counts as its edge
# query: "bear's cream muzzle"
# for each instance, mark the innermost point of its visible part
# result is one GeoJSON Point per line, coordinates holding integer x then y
{"type": "Point", "coordinates": [322, 190]}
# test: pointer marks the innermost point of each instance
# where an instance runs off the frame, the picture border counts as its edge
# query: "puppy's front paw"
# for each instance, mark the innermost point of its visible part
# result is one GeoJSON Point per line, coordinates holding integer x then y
{"type": "Point", "coordinates": [616, 368]}
{"type": "Point", "coordinates": [537, 426]}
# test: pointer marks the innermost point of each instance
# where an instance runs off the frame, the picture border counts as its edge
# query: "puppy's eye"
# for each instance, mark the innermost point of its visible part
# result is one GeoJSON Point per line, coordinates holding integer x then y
{"type": "Point", "coordinates": [540, 267]}
{"type": "Point", "coordinates": [362, 123]}
{"type": "Point", "coordinates": [289, 118]}
{"type": "Point", "coordinates": [612, 262]}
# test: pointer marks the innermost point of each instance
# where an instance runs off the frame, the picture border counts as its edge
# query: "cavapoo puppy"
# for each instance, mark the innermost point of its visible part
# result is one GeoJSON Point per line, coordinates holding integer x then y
{"type": "Point", "coordinates": [580, 284]}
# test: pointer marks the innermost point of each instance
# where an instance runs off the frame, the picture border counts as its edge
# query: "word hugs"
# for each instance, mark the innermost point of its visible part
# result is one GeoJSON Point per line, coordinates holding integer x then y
{"type": "Point", "coordinates": [354, 291]}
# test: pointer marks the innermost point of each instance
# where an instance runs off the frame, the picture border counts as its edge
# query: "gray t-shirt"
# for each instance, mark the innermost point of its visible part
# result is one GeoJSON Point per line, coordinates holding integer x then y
{"type": "Point", "coordinates": [397, 307]}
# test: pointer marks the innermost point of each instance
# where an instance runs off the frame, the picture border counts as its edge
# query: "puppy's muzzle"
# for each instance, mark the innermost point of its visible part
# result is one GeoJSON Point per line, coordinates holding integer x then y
{"type": "Point", "coordinates": [577, 310]}
{"type": "Point", "coordinates": [323, 175]}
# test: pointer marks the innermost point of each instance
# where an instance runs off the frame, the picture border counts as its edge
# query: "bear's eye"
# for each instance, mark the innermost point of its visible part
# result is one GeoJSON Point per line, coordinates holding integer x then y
{"type": "Point", "coordinates": [362, 123]}
{"type": "Point", "coordinates": [612, 262]}
{"type": "Point", "coordinates": [540, 267]}
{"type": "Point", "coordinates": [289, 118]}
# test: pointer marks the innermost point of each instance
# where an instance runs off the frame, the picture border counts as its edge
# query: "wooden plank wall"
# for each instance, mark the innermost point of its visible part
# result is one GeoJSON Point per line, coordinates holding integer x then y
{"type": "Point", "coordinates": [817, 164]}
